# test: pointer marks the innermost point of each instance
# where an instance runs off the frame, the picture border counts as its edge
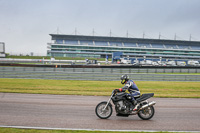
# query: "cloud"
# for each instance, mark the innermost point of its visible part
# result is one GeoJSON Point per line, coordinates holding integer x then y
{"type": "Point", "coordinates": [26, 25]}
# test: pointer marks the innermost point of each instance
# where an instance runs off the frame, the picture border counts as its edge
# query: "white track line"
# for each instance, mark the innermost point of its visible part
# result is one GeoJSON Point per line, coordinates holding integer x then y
{"type": "Point", "coordinates": [48, 128]}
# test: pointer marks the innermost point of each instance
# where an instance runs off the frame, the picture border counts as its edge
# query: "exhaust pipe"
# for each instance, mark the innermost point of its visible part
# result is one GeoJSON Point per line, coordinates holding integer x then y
{"type": "Point", "coordinates": [144, 106]}
{"type": "Point", "coordinates": [147, 105]}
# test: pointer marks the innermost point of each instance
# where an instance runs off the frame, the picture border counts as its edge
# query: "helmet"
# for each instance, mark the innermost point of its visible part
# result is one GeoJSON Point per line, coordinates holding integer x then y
{"type": "Point", "coordinates": [124, 78]}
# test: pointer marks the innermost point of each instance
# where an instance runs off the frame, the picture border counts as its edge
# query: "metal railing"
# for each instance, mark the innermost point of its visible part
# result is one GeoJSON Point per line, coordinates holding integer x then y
{"type": "Point", "coordinates": [109, 74]}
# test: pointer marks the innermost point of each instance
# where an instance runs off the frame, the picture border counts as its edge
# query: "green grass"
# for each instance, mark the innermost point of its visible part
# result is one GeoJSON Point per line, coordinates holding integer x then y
{"type": "Point", "coordinates": [183, 73]}
{"type": "Point", "coordinates": [57, 58]}
{"type": "Point", "coordinates": [14, 130]}
{"type": "Point", "coordinates": [98, 88]}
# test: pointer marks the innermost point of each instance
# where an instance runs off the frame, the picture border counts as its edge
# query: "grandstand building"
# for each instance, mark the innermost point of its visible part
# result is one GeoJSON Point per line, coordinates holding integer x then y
{"type": "Point", "coordinates": [101, 46]}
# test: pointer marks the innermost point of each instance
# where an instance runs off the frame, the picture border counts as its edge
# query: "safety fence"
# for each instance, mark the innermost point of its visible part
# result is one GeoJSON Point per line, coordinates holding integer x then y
{"type": "Point", "coordinates": [137, 74]}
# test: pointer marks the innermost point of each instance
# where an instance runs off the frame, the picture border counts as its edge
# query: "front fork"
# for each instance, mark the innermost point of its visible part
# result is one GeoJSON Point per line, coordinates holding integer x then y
{"type": "Point", "coordinates": [108, 101]}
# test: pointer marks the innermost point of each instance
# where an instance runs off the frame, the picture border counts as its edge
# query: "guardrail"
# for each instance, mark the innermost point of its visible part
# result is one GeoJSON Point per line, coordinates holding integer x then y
{"type": "Point", "coordinates": [108, 74]}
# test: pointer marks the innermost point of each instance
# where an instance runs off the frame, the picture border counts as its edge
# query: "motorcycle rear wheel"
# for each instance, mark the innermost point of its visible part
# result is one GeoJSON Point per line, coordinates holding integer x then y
{"type": "Point", "coordinates": [147, 113]}
{"type": "Point", "coordinates": [103, 114]}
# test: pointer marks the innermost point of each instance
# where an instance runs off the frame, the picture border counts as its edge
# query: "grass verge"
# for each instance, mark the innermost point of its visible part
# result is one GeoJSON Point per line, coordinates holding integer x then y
{"type": "Point", "coordinates": [14, 130]}
{"type": "Point", "coordinates": [98, 88]}
{"type": "Point", "coordinates": [57, 58]}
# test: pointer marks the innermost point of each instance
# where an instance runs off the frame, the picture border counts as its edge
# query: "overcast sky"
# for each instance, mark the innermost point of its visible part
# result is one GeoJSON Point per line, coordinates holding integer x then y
{"type": "Point", "coordinates": [25, 25]}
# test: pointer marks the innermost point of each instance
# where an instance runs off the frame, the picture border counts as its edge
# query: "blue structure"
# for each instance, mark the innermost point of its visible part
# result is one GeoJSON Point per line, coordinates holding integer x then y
{"type": "Point", "coordinates": [116, 56]}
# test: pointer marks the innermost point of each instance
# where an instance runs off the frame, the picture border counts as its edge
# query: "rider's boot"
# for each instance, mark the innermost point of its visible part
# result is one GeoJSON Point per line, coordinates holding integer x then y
{"type": "Point", "coordinates": [135, 106]}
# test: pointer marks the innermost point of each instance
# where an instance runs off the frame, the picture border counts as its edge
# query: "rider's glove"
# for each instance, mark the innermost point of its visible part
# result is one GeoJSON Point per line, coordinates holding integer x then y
{"type": "Point", "coordinates": [118, 90]}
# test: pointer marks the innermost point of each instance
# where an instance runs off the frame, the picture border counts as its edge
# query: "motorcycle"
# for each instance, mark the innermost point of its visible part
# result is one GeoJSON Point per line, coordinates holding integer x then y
{"type": "Point", "coordinates": [124, 106]}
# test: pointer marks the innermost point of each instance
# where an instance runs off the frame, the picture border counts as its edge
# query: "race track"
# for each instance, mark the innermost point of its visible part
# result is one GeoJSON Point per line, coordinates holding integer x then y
{"type": "Point", "coordinates": [66, 111]}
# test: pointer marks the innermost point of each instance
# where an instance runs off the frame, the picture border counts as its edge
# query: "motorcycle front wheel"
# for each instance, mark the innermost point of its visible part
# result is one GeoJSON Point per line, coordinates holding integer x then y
{"type": "Point", "coordinates": [103, 113]}
{"type": "Point", "coordinates": [147, 113]}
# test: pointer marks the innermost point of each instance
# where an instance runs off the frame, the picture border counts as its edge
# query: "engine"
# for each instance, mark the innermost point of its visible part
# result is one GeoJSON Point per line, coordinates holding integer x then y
{"type": "Point", "coordinates": [122, 107]}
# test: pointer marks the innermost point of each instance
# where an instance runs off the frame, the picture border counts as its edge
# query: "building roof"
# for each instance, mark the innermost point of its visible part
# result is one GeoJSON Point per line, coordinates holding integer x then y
{"type": "Point", "coordinates": [122, 39]}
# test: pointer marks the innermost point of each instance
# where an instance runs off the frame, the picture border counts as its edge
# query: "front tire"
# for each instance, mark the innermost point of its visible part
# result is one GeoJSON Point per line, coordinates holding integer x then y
{"type": "Point", "coordinates": [103, 114]}
{"type": "Point", "coordinates": [147, 113]}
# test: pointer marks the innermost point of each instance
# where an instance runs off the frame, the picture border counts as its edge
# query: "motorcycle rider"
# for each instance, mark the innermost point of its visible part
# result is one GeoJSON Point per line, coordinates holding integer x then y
{"type": "Point", "coordinates": [131, 87]}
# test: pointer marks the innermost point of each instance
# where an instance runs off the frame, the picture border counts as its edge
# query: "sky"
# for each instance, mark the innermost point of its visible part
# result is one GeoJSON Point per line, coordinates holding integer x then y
{"type": "Point", "coordinates": [25, 25]}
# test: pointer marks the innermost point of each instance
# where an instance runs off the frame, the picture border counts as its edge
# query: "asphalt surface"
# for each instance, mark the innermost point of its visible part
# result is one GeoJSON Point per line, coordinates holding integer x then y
{"type": "Point", "coordinates": [66, 111]}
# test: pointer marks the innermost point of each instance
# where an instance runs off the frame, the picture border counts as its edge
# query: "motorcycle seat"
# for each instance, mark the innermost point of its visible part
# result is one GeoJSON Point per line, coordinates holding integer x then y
{"type": "Point", "coordinates": [144, 97]}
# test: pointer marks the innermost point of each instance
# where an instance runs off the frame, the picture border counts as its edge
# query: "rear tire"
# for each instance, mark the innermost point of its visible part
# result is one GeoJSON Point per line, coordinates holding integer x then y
{"type": "Point", "coordinates": [103, 114]}
{"type": "Point", "coordinates": [147, 113]}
